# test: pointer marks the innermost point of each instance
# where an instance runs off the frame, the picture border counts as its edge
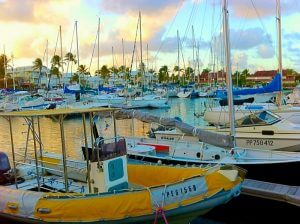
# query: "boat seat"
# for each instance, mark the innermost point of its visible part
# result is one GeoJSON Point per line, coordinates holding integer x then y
{"type": "Point", "coordinates": [105, 150]}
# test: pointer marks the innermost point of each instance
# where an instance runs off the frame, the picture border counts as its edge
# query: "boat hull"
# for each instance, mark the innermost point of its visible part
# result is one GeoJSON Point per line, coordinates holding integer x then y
{"type": "Point", "coordinates": [173, 216]}
{"type": "Point", "coordinates": [281, 173]}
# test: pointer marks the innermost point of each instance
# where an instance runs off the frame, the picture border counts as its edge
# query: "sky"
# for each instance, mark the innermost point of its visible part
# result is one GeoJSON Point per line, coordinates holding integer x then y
{"type": "Point", "coordinates": [26, 28]}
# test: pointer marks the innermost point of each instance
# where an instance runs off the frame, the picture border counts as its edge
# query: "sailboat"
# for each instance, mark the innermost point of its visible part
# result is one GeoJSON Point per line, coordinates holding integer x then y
{"type": "Point", "coordinates": [261, 164]}
{"type": "Point", "coordinates": [219, 115]}
{"type": "Point", "coordinates": [150, 100]}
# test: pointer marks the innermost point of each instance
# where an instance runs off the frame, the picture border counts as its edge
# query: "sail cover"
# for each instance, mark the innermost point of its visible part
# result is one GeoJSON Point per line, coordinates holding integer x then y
{"type": "Point", "coordinates": [205, 136]}
{"type": "Point", "coordinates": [273, 86]}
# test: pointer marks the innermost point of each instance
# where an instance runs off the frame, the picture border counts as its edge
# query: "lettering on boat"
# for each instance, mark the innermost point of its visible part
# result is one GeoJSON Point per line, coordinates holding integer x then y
{"type": "Point", "coordinates": [164, 137]}
{"type": "Point", "coordinates": [254, 142]}
{"type": "Point", "coordinates": [182, 190]}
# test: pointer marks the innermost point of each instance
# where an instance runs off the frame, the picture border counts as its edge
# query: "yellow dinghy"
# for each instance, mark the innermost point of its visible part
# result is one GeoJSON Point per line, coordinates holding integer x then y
{"type": "Point", "coordinates": [117, 192]}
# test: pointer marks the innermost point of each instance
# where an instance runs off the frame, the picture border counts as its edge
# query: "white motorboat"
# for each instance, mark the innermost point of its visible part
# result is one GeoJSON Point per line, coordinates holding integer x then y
{"type": "Point", "coordinates": [294, 97]}
{"type": "Point", "coordinates": [220, 115]}
{"type": "Point", "coordinates": [109, 99]}
{"type": "Point", "coordinates": [261, 130]}
{"type": "Point", "coordinates": [153, 101]}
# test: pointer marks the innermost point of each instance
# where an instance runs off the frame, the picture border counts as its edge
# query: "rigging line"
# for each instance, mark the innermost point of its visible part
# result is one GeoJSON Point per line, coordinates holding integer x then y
{"type": "Point", "coordinates": [44, 55]}
{"type": "Point", "coordinates": [259, 17]}
{"type": "Point", "coordinates": [193, 18]}
{"type": "Point", "coordinates": [93, 50]}
{"type": "Point", "coordinates": [189, 22]}
{"type": "Point", "coordinates": [173, 21]}
{"type": "Point", "coordinates": [134, 46]}
{"type": "Point", "coordinates": [56, 43]}
{"type": "Point", "coordinates": [204, 14]}
{"type": "Point", "coordinates": [71, 48]}
{"type": "Point", "coordinates": [180, 43]}
{"type": "Point", "coordinates": [184, 39]}
{"type": "Point", "coordinates": [242, 24]}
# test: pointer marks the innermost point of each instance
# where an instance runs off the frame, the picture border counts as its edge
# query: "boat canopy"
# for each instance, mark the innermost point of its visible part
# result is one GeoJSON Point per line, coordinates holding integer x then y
{"type": "Point", "coordinates": [258, 119]}
{"type": "Point", "coordinates": [107, 89]}
{"type": "Point", "coordinates": [273, 86]}
{"type": "Point", "coordinates": [208, 137]}
{"type": "Point", "coordinates": [62, 111]}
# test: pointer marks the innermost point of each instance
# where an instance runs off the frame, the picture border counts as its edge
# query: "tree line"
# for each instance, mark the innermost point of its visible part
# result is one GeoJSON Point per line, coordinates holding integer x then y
{"type": "Point", "coordinates": [164, 75]}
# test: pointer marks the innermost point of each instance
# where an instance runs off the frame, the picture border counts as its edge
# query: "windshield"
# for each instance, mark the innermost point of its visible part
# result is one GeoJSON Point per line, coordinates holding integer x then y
{"type": "Point", "coordinates": [257, 119]}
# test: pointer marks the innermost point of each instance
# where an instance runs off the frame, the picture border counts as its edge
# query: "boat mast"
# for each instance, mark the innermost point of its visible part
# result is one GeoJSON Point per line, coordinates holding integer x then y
{"type": "Point", "coordinates": [178, 54]}
{"type": "Point", "coordinates": [47, 76]}
{"type": "Point", "coordinates": [278, 22]}
{"type": "Point", "coordinates": [98, 47]}
{"type": "Point", "coordinates": [61, 54]}
{"type": "Point", "coordinates": [141, 49]}
{"type": "Point", "coordinates": [148, 66]}
{"type": "Point", "coordinates": [113, 61]}
{"type": "Point", "coordinates": [13, 71]}
{"type": "Point", "coordinates": [228, 70]}
{"type": "Point", "coordinates": [193, 33]}
{"type": "Point", "coordinates": [5, 67]}
{"type": "Point", "coordinates": [77, 50]}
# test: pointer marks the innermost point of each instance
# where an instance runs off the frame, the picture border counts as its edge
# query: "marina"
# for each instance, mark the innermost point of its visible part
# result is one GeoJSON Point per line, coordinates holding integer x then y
{"type": "Point", "coordinates": [162, 112]}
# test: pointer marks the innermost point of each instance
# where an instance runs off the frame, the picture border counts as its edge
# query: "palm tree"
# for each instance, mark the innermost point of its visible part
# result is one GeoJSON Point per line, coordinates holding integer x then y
{"type": "Point", "coordinates": [163, 74]}
{"type": "Point", "coordinates": [104, 72]}
{"type": "Point", "coordinates": [54, 71]}
{"type": "Point", "coordinates": [82, 69]}
{"type": "Point", "coordinates": [3, 64]}
{"type": "Point", "coordinates": [56, 61]}
{"type": "Point", "coordinates": [55, 64]}
{"type": "Point", "coordinates": [69, 57]}
{"type": "Point", "coordinates": [189, 73]}
{"type": "Point", "coordinates": [38, 65]}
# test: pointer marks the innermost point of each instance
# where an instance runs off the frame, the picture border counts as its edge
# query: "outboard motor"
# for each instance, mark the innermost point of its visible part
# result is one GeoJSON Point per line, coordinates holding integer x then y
{"type": "Point", "coordinates": [77, 96]}
{"type": "Point", "coordinates": [4, 168]}
{"type": "Point", "coordinates": [51, 106]}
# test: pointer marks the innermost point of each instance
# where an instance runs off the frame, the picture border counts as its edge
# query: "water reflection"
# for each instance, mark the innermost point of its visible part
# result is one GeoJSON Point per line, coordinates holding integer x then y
{"type": "Point", "coordinates": [73, 128]}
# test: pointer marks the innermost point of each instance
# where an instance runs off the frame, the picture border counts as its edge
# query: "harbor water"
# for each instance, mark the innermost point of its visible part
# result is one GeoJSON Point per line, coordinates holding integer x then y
{"type": "Point", "coordinates": [243, 209]}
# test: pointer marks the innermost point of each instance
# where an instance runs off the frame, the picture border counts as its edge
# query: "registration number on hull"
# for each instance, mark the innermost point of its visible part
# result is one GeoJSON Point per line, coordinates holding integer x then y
{"type": "Point", "coordinates": [254, 142]}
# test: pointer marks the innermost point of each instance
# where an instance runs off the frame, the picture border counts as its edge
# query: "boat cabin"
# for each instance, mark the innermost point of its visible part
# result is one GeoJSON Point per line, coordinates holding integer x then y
{"type": "Point", "coordinates": [258, 119]}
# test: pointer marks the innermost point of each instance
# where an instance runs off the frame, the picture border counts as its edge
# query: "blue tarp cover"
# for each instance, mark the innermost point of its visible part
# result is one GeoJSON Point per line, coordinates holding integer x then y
{"type": "Point", "coordinates": [273, 86]}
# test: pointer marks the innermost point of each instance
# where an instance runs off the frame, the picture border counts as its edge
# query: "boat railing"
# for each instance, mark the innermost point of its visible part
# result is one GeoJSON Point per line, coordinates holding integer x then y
{"type": "Point", "coordinates": [52, 184]}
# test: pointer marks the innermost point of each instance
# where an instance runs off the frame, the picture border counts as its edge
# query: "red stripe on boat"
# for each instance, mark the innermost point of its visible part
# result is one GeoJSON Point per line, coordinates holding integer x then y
{"type": "Point", "coordinates": [158, 148]}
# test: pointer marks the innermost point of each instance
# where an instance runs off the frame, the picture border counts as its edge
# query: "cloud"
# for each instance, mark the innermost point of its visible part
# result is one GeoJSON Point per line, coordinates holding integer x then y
{"type": "Point", "coordinates": [249, 38]}
{"type": "Point", "coordinates": [265, 51]}
{"type": "Point", "coordinates": [133, 6]}
{"type": "Point", "coordinates": [14, 10]}
{"type": "Point", "coordinates": [239, 60]}
{"type": "Point", "coordinates": [245, 9]}
{"type": "Point", "coordinates": [294, 35]}
{"type": "Point", "coordinates": [31, 11]}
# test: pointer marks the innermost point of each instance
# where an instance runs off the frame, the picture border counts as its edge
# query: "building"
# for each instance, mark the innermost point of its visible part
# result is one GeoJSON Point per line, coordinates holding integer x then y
{"type": "Point", "coordinates": [205, 77]}
{"type": "Point", "coordinates": [266, 76]}
{"type": "Point", "coordinates": [27, 73]}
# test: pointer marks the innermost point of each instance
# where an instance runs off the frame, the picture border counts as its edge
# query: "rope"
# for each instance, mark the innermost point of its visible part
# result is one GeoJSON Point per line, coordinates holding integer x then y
{"type": "Point", "coordinates": [160, 211]}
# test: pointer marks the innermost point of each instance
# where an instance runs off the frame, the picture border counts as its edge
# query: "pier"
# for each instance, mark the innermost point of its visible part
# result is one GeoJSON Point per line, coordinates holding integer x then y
{"type": "Point", "coordinates": [272, 191]}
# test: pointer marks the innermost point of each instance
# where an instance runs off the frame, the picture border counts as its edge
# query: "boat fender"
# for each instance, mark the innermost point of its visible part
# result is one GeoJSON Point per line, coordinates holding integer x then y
{"type": "Point", "coordinates": [13, 205]}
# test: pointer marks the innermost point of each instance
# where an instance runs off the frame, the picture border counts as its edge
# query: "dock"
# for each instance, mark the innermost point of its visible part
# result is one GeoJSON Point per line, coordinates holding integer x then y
{"type": "Point", "coordinates": [272, 191]}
